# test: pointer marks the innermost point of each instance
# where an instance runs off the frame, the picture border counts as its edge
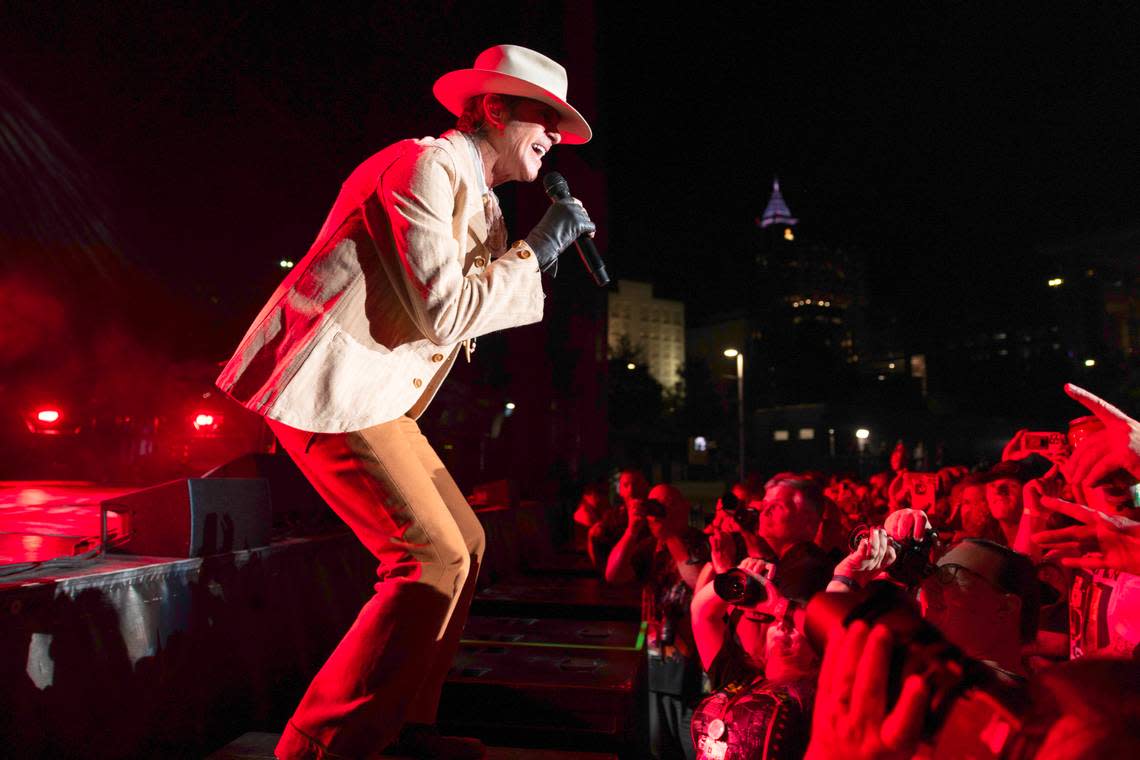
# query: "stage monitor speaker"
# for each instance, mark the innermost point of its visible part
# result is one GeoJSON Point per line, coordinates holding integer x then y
{"type": "Point", "coordinates": [296, 504]}
{"type": "Point", "coordinates": [192, 517]}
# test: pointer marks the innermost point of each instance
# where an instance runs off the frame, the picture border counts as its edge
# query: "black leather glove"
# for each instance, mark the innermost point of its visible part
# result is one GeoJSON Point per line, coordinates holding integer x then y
{"type": "Point", "coordinates": [560, 226]}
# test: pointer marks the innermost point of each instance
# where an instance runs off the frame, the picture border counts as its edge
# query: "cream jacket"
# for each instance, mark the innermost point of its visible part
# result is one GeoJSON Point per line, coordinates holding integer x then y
{"type": "Point", "coordinates": [366, 327]}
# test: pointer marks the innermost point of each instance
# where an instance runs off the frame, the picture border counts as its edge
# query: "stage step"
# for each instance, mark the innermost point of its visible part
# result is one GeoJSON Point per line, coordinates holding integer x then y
{"type": "Point", "coordinates": [259, 746]}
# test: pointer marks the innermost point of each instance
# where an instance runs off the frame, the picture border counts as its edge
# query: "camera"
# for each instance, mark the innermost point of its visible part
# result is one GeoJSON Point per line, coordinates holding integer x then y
{"type": "Point", "coordinates": [747, 518]}
{"type": "Point", "coordinates": [972, 714]}
{"type": "Point", "coordinates": [1054, 443]}
{"type": "Point", "coordinates": [653, 508]}
{"type": "Point", "coordinates": [912, 556]}
{"type": "Point", "coordinates": [741, 587]}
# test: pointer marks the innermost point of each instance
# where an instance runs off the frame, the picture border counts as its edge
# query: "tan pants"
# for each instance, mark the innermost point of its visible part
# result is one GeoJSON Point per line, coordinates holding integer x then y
{"type": "Point", "coordinates": [390, 487]}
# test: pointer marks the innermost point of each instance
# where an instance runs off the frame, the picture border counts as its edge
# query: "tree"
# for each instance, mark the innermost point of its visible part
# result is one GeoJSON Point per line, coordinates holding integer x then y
{"type": "Point", "coordinates": [636, 400]}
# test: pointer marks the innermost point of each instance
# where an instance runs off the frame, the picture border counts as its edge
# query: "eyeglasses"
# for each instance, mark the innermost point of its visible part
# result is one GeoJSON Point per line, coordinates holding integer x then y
{"type": "Point", "coordinates": [951, 573]}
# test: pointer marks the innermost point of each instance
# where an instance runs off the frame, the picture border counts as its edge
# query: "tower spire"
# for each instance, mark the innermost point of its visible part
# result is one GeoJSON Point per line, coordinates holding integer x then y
{"type": "Point", "coordinates": [777, 211]}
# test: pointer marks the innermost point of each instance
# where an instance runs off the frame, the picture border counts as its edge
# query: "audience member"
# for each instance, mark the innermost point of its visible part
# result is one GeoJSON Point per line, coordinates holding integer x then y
{"type": "Point", "coordinates": [666, 563]}
{"type": "Point", "coordinates": [974, 511]}
{"type": "Point", "coordinates": [1003, 497]}
{"type": "Point", "coordinates": [984, 597]}
{"type": "Point", "coordinates": [762, 671]}
{"type": "Point", "coordinates": [602, 536]}
{"type": "Point", "coordinates": [1022, 572]}
{"type": "Point", "coordinates": [789, 521]}
{"type": "Point", "coordinates": [592, 508]}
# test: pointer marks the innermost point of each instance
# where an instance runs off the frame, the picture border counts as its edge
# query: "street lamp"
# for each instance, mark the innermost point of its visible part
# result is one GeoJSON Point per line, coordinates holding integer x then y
{"type": "Point", "coordinates": [732, 353]}
{"type": "Point", "coordinates": [861, 436]}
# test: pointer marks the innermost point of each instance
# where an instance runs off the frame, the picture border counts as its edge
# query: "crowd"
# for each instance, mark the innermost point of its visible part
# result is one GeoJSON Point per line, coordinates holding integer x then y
{"type": "Point", "coordinates": [987, 612]}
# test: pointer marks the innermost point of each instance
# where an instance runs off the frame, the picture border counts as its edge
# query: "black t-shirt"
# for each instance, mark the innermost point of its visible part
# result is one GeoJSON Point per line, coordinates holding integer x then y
{"type": "Point", "coordinates": [733, 666]}
{"type": "Point", "coordinates": [803, 571]}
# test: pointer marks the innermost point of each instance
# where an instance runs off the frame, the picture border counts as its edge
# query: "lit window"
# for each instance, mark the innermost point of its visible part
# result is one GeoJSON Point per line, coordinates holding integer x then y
{"type": "Point", "coordinates": [806, 434]}
{"type": "Point", "coordinates": [780, 435]}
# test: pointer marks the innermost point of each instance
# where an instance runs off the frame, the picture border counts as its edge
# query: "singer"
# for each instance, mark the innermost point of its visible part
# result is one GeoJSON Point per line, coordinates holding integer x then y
{"type": "Point", "coordinates": [411, 265]}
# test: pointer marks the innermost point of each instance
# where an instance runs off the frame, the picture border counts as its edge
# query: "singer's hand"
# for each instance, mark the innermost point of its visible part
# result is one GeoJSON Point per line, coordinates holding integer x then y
{"type": "Point", "coordinates": [563, 223]}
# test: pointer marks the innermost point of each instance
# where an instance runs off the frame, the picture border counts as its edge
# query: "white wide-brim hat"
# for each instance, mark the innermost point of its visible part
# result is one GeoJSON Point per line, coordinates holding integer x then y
{"type": "Point", "coordinates": [514, 70]}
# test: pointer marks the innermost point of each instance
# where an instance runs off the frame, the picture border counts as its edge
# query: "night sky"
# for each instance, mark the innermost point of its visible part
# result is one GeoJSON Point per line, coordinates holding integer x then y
{"type": "Point", "coordinates": [945, 144]}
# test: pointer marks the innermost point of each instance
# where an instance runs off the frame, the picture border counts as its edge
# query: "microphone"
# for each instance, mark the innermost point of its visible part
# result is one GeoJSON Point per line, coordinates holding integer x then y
{"type": "Point", "coordinates": [557, 190]}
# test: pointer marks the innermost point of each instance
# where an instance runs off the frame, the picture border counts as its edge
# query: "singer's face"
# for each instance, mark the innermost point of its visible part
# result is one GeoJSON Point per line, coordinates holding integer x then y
{"type": "Point", "coordinates": [524, 141]}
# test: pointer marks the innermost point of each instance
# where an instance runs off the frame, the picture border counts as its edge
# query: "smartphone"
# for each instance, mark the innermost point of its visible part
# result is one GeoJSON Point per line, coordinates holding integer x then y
{"type": "Point", "coordinates": [1045, 441]}
{"type": "Point", "coordinates": [923, 489]}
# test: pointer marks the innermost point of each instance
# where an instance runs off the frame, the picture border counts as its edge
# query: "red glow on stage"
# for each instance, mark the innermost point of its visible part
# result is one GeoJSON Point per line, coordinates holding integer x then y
{"type": "Point", "coordinates": [48, 416]}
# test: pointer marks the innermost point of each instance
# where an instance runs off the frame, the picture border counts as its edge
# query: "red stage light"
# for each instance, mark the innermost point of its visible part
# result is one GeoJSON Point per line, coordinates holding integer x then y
{"type": "Point", "coordinates": [203, 420]}
{"type": "Point", "coordinates": [48, 416]}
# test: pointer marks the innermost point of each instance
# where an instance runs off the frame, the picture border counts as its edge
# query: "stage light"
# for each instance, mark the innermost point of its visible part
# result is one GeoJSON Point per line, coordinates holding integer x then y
{"type": "Point", "coordinates": [862, 434]}
{"type": "Point", "coordinates": [510, 405]}
{"type": "Point", "coordinates": [631, 366]}
{"type": "Point", "coordinates": [1056, 282]}
{"type": "Point", "coordinates": [48, 416]}
{"type": "Point", "coordinates": [731, 353]}
{"type": "Point", "coordinates": [204, 420]}
{"type": "Point", "coordinates": [286, 264]}
{"type": "Point", "coordinates": [1090, 362]}
{"type": "Point", "coordinates": [788, 235]}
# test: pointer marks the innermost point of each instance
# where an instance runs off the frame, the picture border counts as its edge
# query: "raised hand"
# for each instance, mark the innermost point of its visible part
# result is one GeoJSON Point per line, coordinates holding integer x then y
{"type": "Point", "coordinates": [873, 554]}
{"type": "Point", "coordinates": [1117, 447]}
{"type": "Point", "coordinates": [906, 524]}
{"type": "Point", "coordinates": [635, 514]}
{"type": "Point", "coordinates": [1013, 450]}
{"type": "Point", "coordinates": [851, 720]}
{"type": "Point", "coordinates": [563, 223]}
{"type": "Point", "coordinates": [723, 549]}
{"type": "Point", "coordinates": [1102, 541]}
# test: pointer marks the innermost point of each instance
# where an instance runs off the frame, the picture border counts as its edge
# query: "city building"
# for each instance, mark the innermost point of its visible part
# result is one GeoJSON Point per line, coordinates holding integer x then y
{"type": "Point", "coordinates": [653, 327]}
{"type": "Point", "coordinates": [807, 312]}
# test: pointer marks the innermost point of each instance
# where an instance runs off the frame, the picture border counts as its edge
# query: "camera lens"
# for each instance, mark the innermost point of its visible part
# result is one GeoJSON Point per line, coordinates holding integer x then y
{"type": "Point", "coordinates": [740, 587]}
{"type": "Point", "coordinates": [858, 533]}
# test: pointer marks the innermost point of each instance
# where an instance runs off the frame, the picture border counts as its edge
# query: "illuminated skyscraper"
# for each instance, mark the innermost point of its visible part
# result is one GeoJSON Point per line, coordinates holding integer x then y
{"type": "Point", "coordinates": [807, 310]}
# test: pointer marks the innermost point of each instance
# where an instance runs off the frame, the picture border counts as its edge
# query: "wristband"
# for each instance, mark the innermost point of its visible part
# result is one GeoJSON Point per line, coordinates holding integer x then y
{"type": "Point", "coordinates": [847, 581]}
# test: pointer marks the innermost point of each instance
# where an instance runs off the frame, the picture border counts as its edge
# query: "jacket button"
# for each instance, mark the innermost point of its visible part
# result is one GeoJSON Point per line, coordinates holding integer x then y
{"type": "Point", "coordinates": [417, 382]}
{"type": "Point", "coordinates": [524, 253]}
{"type": "Point", "coordinates": [479, 262]}
{"type": "Point", "coordinates": [437, 357]}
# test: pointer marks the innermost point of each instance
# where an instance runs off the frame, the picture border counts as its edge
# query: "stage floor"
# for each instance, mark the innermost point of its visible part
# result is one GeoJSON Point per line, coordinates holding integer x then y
{"type": "Point", "coordinates": [44, 519]}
